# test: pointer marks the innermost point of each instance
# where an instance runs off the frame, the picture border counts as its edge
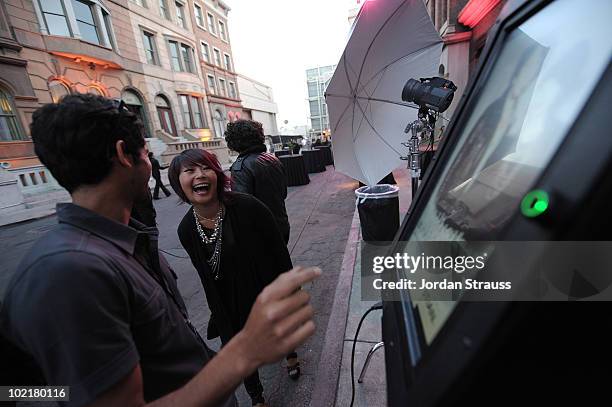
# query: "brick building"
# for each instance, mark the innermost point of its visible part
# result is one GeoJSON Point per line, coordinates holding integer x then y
{"type": "Point", "coordinates": [212, 36]}
{"type": "Point", "coordinates": [149, 53]}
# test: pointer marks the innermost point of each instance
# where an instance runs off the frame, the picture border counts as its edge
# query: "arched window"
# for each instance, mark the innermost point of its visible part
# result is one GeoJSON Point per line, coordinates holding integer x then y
{"type": "Point", "coordinates": [9, 126]}
{"type": "Point", "coordinates": [441, 71]}
{"type": "Point", "coordinates": [58, 90]}
{"type": "Point", "coordinates": [134, 103]}
{"type": "Point", "coordinates": [95, 90]}
{"type": "Point", "coordinates": [164, 112]}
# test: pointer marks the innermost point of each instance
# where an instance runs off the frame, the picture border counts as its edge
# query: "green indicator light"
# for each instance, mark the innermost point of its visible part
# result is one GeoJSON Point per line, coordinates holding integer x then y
{"type": "Point", "coordinates": [534, 203]}
{"type": "Point", "coordinates": [540, 206]}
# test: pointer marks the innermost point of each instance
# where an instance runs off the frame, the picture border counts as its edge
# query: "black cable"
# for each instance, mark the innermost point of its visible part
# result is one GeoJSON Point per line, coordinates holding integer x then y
{"type": "Point", "coordinates": [173, 255]}
{"type": "Point", "coordinates": [376, 306]}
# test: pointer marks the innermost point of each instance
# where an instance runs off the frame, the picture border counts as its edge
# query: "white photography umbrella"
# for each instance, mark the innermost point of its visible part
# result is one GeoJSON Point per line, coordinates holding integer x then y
{"type": "Point", "coordinates": [391, 42]}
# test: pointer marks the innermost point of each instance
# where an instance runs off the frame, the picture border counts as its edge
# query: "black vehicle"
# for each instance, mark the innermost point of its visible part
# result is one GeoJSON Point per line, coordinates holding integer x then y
{"type": "Point", "coordinates": [536, 117]}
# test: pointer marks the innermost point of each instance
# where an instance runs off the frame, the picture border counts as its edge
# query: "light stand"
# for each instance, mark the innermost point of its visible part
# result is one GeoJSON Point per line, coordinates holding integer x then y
{"type": "Point", "coordinates": [420, 129]}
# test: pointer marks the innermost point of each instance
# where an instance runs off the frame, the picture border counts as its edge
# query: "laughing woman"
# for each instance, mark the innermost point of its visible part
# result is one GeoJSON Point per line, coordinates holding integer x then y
{"type": "Point", "coordinates": [234, 244]}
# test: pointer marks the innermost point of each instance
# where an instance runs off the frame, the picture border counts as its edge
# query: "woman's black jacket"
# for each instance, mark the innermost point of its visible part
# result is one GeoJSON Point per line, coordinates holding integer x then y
{"type": "Point", "coordinates": [259, 254]}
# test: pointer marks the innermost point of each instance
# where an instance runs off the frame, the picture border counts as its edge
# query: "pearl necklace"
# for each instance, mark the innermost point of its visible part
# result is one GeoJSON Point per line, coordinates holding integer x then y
{"type": "Point", "coordinates": [215, 237]}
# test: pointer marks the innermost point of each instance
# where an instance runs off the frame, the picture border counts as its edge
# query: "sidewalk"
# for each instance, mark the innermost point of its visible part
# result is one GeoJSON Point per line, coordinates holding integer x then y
{"type": "Point", "coordinates": [334, 377]}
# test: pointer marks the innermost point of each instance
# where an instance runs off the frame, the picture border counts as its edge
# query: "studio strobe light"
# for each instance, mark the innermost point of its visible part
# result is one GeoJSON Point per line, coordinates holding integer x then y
{"type": "Point", "coordinates": [431, 93]}
{"type": "Point", "coordinates": [433, 96]}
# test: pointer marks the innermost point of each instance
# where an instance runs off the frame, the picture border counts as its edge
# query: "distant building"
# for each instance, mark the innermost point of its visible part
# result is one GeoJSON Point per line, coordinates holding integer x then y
{"type": "Point", "coordinates": [258, 104]}
{"type": "Point", "coordinates": [210, 27]}
{"type": "Point", "coordinates": [317, 80]}
{"type": "Point", "coordinates": [354, 10]}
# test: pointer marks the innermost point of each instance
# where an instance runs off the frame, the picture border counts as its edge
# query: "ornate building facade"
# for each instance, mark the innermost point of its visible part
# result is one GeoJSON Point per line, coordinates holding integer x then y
{"type": "Point", "coordinates": [149, 53]}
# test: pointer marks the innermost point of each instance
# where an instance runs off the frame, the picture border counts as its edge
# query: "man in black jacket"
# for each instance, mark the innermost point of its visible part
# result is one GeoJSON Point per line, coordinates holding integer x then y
{"type": "Point", "coordinates": [256, 172]}
{"type": "Point", "coordinates": [156, 174]}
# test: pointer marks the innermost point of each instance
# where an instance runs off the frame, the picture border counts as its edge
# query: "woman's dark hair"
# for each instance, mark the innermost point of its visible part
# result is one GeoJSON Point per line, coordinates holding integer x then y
{"type": "Point", "coordinates": [192, 157]}
{"type": "Point", "coordinates": [244, 134]}
{"type": "Point", "coordinates": [75, 138]}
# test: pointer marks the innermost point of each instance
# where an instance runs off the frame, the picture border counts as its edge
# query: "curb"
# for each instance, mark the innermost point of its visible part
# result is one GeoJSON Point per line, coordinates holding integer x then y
{"type": "Point", "coordinates": [328, 372]}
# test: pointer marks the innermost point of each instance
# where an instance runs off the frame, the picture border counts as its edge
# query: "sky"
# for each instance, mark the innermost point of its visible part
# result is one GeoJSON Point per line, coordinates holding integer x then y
{"type": "Point", "coordinates": [275, 41]}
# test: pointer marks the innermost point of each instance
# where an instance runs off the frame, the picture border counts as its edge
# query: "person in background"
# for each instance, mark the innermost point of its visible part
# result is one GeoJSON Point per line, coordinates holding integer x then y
{"type": "Point", "coordinates": [234, 244]}
{"type": "Point", "coordinates": [90, 306]}
{"type": "Point", "coordinates": [156, 174]}
{"type": "Point", "coordinates": [143, 210]}
{"type": "Point", "coordinates": [256, 172]}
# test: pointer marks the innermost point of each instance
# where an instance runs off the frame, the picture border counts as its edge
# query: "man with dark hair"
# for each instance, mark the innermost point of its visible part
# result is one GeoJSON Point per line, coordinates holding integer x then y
{"type": "Point", "coordinates": [94, 303]}
{"type": "Point", "coordinates": [256, 172]}
{"type": "Point", "coordinates": [156, 174]}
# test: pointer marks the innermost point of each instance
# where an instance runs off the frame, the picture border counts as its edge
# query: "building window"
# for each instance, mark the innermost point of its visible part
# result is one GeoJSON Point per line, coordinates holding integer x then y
{"type": "Point", "coordinates": [217, 57]}
{"type": "Point", "coordinates": [54, 14]}
{"type": "Point", "coordinates": [163, 9]}
{"type": "Point", "coordinates": [192, 112]}
{"type": "Point", "coordinates": [211, 24]}
{"type": "Point", "coordinates": [205, 51]}
{"type": "Point", "coordinates": [106, 23]}
{"type": "Point", "coordinates": [134, 104]}
{"type": "Point", "coordinates": [222, 88]}
{"type": "Point", "coordinates": [150, 49]}
{"type": "Point", "coordinates": [219, 123]}
{"type": "Point", "coordinates": [58, 90]}
{"type": "Point", "coordinates": [181, 57]}
{"type": "Point", "coordinates": [180, 14]}
{"type": "Point", "coordinates": [186, 53]}
{"type": "Point", "coordinates": [95, 90]}
{"type": "Point", "coordinates": [228, 61]}
{"type": "Point", "coordinates": [199, 15]}
{"type": "Point", "coordinates": [141, 3]}
{"type": "Point", "coordinates": [212, 87]}
{"type": "Point", "coordinates": [166, 118]}
{"type": "Point", "coordinates": [196, 108]}
{"type": "Point", "coordinates": [175, 60]}
{"type": "Point", "coordinates": [88, 20]}
{"type": "Point", "coordinates": [188, 123]}
{"type": "Point", "coordinates": [222, 32]}
{"type": "Point", "coordinates": [85, 21]}
{"type": "Point", "coordinates": [313, 89]}
{"type": "Point", "coordinates": [9, 129]}
{"type": "Point", "coordinates": [314, 108]}
{"type": "Point", "coordinates": [232, 90]}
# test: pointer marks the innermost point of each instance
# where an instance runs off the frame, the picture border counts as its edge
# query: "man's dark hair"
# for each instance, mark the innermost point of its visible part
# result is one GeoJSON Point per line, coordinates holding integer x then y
{"type": "Point", "coordinates": [75, 138]}
{"type": "Point", "coordinates": [244, 134]}
{"type": "Point", "coordinates": [197, 157]}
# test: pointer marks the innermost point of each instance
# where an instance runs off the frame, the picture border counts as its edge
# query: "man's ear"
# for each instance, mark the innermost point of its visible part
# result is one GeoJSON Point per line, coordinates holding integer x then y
{"type": "Point", "coordinates": [123, 158]}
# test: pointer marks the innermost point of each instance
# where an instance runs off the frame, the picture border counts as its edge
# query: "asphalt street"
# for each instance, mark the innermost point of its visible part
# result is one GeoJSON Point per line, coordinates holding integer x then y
{"type": "Point", "coordinates": [320, 214]}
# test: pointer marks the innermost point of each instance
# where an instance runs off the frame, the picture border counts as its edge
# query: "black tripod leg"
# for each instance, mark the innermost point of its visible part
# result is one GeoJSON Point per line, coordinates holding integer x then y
{"type": "Point", "coordinates": [415, 186]}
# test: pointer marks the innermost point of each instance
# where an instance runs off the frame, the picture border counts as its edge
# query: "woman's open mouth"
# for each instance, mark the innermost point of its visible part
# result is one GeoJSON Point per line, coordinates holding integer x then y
{"type": "Point", "coordinates": [201, 188]}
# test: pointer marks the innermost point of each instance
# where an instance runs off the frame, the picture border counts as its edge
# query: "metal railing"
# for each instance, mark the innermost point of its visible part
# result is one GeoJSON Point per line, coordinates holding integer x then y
{"type": "Point", "coordinates": [185, 145]}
